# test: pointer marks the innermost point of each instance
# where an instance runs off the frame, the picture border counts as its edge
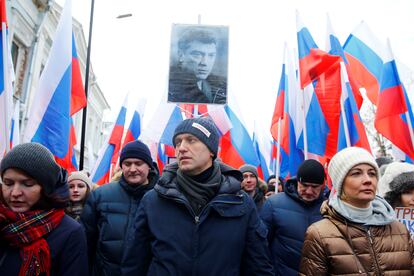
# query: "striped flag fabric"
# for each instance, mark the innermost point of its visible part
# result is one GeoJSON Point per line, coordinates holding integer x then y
{"type": "Point", "coordinates": [109, 153]}
{"type": "Point", "coordinates": [15, 126]}
{"type": "Point", "coordinates": [393, 118]}
{"type": "Point", "coordinates": [365, 54]}
{"type": "Point", "coordinates": [236, 146]}
{"type": "Point", "coordinates": [50, 122]}
{"type": "Point", "coordinates": [290, 155]}
{"type": "Point", "coordinates": [135, 126]}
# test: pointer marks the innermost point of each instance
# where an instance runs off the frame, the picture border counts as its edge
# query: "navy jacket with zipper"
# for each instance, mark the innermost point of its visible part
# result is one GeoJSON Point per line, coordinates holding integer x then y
{"type": "Point", "coordinates": [287, 217]}
{"type": "Point", "coordinates": [108, 213]}
{"type": "Point", "coordinates": [227, 238]}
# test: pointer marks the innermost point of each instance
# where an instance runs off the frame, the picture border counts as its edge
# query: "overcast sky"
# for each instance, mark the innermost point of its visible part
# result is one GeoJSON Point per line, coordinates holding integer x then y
{"type": "Point", "coordinates": [132, 54]}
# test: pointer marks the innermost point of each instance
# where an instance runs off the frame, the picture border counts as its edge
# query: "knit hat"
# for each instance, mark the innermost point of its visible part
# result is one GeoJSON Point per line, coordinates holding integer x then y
{"type": "Point", "coordinates": [80, 175]}
{"type": "Point", "coordinates": [249, 168]}
{"type": "Point", "coordinates": [136, 149]}
{"type": "Point", "coordinates": [343, 161]}
{"type": "Point", "coordinates": [204, 129]}
{"type": "Point", "coordinates": [38, 162]}
{"type": "Point", "coordinates": [398, 178]}
{"type": "Point", "coordinates": [311, 171]}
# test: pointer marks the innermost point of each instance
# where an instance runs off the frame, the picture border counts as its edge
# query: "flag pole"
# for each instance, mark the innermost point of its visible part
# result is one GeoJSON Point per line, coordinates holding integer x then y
{"type": "Point", "coordinates": [84, 114]}
{"type": "Point", "coordinates": [277, 165]}
{"type": "Point", "coordinates": [195, 111]}
{"type": "Point", "coordinates": [6, 92]}
{"type": "Point", "coordinates": [343, 87]}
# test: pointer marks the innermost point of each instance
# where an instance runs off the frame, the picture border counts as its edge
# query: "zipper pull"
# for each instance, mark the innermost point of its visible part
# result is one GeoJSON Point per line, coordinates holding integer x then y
{"type": "Point", "coordinates": [369, 236]}
{"type": "Point", "coordinates": [196, 219]}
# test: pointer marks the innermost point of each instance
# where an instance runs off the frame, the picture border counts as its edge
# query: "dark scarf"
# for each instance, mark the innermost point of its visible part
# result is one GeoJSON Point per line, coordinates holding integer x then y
{"type": "Point", "coordinates": [26, 231]}
{"type": "Point", "coordinates": [197, 191]}
{"type": "Point", "coordinates": [74, 210]}
{"type": "Point", "coordinates": [137, 191]}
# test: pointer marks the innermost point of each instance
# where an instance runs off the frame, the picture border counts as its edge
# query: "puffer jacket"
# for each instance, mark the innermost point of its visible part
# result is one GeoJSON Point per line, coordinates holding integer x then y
{"type": "Point", "coordinates": [287, 217]}
{"type": "Point", "coordinates": [337, 246]}
{"type": "Point", "coordinates": [108, 213]}
{"type": "Point", "coordinates": [226, 238]}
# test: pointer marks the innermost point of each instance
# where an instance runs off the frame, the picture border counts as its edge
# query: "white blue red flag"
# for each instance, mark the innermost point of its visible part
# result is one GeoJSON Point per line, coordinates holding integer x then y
{"type": "Point", "coordinates": [285, 120]}
{"type": "Point", "coordinates": [365, 53]}
{"type": "Point", "coordinates": [394, 116]}
{"type": "Point", "coordinates": [351, 129]}
{"type": "Point", "coordinates": [109, 153]}
{"type": "Point", "coordinates": [236, 146]}
{"type": "Point", "coordinates": [58, 96]}
{"type": "Point", "coordinates": [312, 64]}
{"type": "Point", "coordinates": [135, 126]}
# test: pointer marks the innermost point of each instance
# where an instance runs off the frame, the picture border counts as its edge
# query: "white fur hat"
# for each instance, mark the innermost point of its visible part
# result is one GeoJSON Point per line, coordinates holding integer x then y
{"type": "Point", "coordinates": [343, 161]}
{"type": "Point", "coordinates": [391, 172]}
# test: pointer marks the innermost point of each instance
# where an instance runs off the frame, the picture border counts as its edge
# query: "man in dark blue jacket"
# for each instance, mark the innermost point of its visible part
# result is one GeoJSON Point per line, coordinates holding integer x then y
{"type": "Point", "coordinates": [287, 216]}
{"type": "Point", "coordinates": [197, 221]}
{"type": "Point", "coordinates": [110, 209]}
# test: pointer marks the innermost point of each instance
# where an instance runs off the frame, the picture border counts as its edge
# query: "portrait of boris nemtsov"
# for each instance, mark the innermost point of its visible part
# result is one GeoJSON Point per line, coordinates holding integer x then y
{"type": "Point", "coordinates": [198, 64]}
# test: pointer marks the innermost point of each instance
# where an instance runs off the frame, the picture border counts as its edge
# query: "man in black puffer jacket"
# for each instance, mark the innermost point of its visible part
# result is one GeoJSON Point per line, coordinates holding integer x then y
{"type": "Point", "coordinates": [197, 220]}
{"type": "Point", "coordinates": [110, 209]}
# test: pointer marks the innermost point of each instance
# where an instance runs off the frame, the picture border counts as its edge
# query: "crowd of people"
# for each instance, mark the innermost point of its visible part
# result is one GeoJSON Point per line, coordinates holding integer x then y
{"type": "Point", "coordinates": [202, 217]}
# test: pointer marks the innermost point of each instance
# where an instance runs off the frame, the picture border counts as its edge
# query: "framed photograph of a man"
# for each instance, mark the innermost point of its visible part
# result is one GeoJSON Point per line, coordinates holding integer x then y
{"type": "Point", "coordinates": [198, 64]}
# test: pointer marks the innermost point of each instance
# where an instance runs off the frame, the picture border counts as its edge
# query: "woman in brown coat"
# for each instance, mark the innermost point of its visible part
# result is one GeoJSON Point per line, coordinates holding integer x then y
{"type": "Point", "coordinates": [359, 233]}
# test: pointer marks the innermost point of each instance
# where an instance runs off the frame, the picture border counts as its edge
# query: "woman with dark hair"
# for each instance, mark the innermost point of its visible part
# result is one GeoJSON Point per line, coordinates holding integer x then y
{"type": "Point", "coordinates": [397, 184]}
{"type": "Point", "coordinates": [359, 233]}
{"type": "Point", "coordinates": [80, 186]}
{"type": "Point", "coordinates": [36, 237]}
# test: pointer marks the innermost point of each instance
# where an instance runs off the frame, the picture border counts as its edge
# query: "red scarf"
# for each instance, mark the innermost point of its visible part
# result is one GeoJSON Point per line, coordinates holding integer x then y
{"type": "Point", "coordinates": [26, 231]}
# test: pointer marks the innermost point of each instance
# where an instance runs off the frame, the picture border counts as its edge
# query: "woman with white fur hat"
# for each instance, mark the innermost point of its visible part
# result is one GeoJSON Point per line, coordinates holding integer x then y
{"type": "Point", "coordinates": [359, 233]}
{"type": "Point", "coordinates": [397, 184]}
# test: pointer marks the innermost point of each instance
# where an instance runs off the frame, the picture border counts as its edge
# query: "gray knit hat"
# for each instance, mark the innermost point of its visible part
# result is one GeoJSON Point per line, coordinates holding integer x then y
{"type": "Point", "coordinates": [204, 129]}
{"type": "Point", "coordinates": [398, 178]}
{"type": "Point", "coordinates": [343, 161]}
{"type": "Point", "coordinates": [80, 175]}
{"type": "Point", "coordinates": [249, 168]}
{"type": "Point", "coordinates": [38, 162]}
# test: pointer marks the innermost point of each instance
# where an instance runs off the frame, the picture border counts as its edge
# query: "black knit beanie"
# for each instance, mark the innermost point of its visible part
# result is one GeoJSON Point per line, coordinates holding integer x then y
{"type": "Point", "coordinates": [204, 129]}
{"type": "Point", "coordinates": [311, 171]}
{"type": "Point", "coordinates": [136, 149]}
{"type": "Point", "coordinates": [38, 162]}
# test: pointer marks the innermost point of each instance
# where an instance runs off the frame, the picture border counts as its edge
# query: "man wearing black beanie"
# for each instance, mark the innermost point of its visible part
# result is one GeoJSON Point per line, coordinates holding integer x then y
{"type": "Point", "coordinates": [287, 215]}
{"type": "Point", "coordinates": [110, 209]}
{"type": "Point", "coordinates": [197, 220]}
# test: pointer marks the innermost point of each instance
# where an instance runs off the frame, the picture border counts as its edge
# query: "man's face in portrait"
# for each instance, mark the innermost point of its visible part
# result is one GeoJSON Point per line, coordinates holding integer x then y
{"type": "Point", "coordinates": [199, 59]}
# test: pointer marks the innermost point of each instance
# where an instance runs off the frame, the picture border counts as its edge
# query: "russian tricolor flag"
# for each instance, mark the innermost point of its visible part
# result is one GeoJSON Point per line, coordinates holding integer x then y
{"type": "Point", "coordinates": [262, 151]}
{"type": "Point", "coordinates": [134, 129]}
{"type": "Point", "coordinates": [334, 47]}
{"type": "Point", "coordinates": [50, 121]}
{"type": "Point", "coordinates": [283, 121]}
{"type": "Point", "coordinates": [109, 153]}
{"type": "Point", "coordinates": [394, 117]}
{"type": "Point", "coordinates": [6, 84]}
{"type": "Point", "coordinates": [161, 127]}
{"type": "Point", "coordinates": [365, 53]}
{"type": "Point", "coordinates": [351, 129]}
{"type": "Point", "coordinates": [236, 145]}
{"type": "Point", "coordinates": [312, 64]}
